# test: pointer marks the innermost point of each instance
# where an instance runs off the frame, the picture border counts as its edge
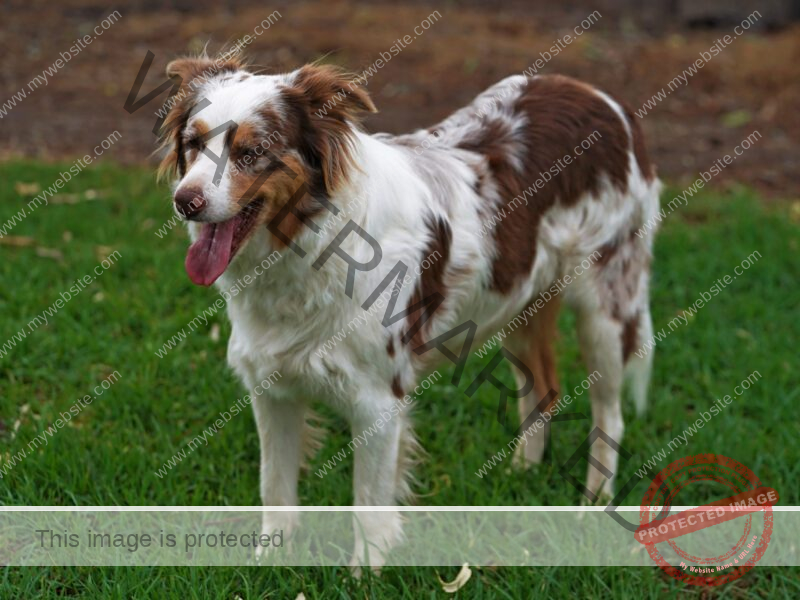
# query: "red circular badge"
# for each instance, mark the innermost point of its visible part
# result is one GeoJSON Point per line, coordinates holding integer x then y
{"type": "Point", "coordinates": [749, 499]}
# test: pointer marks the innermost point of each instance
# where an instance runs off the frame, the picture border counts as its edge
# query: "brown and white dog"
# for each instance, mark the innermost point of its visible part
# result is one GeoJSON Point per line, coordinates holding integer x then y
{"type": "Point", "coordinates": [435, 192]}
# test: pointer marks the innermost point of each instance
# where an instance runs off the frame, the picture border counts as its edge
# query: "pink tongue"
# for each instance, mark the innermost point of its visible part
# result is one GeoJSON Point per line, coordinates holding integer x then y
{"type": "Point", "coordinates": [209, 256]}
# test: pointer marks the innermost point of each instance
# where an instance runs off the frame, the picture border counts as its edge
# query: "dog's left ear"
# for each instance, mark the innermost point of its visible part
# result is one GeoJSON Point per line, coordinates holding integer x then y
{"type": "Point", "coordinates": [189, 68]}
{"type": "Point", "coordinates": [327, 104]}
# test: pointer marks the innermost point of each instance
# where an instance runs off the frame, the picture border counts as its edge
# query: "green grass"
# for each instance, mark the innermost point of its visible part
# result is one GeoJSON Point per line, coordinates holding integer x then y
{"type": "Point", "coordinates": [108, 454]}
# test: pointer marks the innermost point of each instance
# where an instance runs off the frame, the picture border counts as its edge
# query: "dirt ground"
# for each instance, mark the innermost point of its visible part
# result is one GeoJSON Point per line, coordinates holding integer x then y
{"type": "Point", "coordinates": [752, 85]}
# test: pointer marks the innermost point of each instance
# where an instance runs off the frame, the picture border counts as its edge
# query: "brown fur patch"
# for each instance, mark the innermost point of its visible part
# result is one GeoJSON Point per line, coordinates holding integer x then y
{"type": "Point", "coordinates": [252, 135]}
{"type": "Point", "coordinates": [630, 331]}
{"type": "Point", "coordinates": [296, 213]}
{"type": "Point", "coordinates": [277, 188]}
{"type": "Point", "coordinates": [607, 252]}
{"type": "Point", "coordinates": [189, 68]}
{"type": "Point", "coordinates": [534, 344]}
{"type": "Point", "coordinates": [561, 113]}
{"type": "Point", "coordinates": [247, 135]}
{"type": "Point", "coordinates": [619, 275]}
{"type": "Point", "coordinates": [390, 348]}
{"type": "Point", "coordinates": [431, 281]}
{"type": "Point", "coordinates": [639, 146]}
{"type": "Point", "coordinates": [281, 193]}
{"type": "Point", "coordinates": [322, 105]}
{"type": "Point", "coordinates": [191, 148]}
{"type": "Point", "coordinates": [272, 196]}
{"type": "Point", "coordinates": [200, 127]}
{"type": "Point", "coordinates": [397, 389]}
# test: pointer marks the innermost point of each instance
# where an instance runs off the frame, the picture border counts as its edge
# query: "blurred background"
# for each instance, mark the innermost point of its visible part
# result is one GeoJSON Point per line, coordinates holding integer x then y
{"type": "Point", "coordinates": [631, 50]}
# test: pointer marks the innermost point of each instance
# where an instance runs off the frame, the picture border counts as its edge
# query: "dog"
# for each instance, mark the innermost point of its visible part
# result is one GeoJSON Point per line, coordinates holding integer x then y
{"type": "Point", "coordinates": [441, 197]}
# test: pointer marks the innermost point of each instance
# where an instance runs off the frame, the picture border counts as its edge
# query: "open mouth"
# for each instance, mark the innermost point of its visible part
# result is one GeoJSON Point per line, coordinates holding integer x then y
{"type": "Point", "coordinates": [218, 243]}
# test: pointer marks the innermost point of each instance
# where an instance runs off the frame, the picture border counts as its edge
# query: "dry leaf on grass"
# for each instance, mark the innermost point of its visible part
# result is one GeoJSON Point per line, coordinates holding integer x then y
{"type": "Point", "coordinates": [105, 370]}
{"type": "Point", "coordinates": [65, 199]}
{"type": "Point", "coordinates": [88, 196]}
{"type": "Point", "coordinates": [53, 253]}
{"type": "Point", "coordinates": [18, 241]}
{"type": "Point", "coordinates": [214, 334]}
{"type": "Point", "coordinates": [794, 212]}
{"type": "Point", "coordinates": [103, 252]}
{"type": "Point", "coordinates": [300, 596]}
{"type": "Point", "coordinates": [27, 189]}
{"type": "Point", "coordinates": [460, 581]}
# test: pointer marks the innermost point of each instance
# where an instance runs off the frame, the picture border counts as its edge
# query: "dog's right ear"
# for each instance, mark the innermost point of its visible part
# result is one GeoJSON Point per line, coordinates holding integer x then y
{"type": "Point", "coordinates": [193, 73]}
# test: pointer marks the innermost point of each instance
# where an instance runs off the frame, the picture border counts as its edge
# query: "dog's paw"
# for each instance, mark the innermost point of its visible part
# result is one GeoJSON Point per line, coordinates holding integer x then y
{"type": "Point", "coordinates": [530, 451]}
{"type": "Point", "coordinates": [276, 529]}
{"type": "Point", "coordinates": [603, 499]}
{"type": "Point", "coordinates": [524, 458]}
{"type": "Point", "coordinates": [375, 536]}
{"type": "Point", "coordinates": [357, 569]}
{"type": "Point", "coordinates": [374, 561]}
{"type": "Point", "coordinates": [263, 554]}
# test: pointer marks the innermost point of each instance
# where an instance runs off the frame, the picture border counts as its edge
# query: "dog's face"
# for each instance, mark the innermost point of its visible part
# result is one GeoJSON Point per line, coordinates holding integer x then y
{"type": "Point", "coordinates": [244, 145]}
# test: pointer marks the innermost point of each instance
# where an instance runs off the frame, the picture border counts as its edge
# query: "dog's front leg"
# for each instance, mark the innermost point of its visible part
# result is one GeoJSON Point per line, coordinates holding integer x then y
{"type": "Point", "coordinates": [280, 425]}
{"type": "Point", "coordinates": [376, 435]}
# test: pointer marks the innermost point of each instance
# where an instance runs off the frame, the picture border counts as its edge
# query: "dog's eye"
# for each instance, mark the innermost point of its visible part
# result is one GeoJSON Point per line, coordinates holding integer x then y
{"type": "Point", "coordinates": [249, 153]}
{"type": "Point", "coordinates": [195, 143]}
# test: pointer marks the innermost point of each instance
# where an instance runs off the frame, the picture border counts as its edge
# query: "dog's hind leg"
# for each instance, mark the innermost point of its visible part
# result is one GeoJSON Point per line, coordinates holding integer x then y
{"type": "Point", "coordinates": [533, 343]}
{"type": "Point", "coordinates": [613, 321]}
{"type": "Point", "coordinates": [639, 363]}
{"type": "Point", "coordinates": [600, 338]}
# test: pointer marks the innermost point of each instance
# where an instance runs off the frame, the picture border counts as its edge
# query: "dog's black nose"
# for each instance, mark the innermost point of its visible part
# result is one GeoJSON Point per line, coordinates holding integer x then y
{"type": "Point", "coordinates": [190, 202]}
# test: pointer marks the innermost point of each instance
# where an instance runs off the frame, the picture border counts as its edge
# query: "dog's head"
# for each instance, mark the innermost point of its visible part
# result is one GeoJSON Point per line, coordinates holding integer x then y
{"type": "Point", "coordinates": [242, 145]}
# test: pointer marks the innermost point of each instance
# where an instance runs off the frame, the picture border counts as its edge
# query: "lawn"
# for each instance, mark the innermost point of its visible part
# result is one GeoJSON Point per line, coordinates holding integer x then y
{"type": "Point", "coordinates": [108, 453]}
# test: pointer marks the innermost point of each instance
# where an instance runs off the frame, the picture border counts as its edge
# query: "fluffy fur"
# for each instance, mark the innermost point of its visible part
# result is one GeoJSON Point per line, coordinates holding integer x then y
{"type": "Point", "coordinates": [424, 194]}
